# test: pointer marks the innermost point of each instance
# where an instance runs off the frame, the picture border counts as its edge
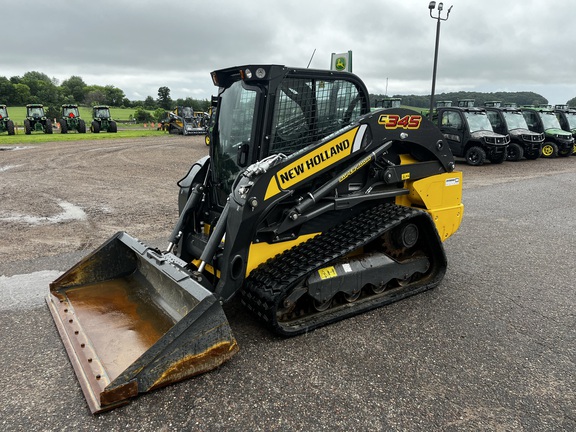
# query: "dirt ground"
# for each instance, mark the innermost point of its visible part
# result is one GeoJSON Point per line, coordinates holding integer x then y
{"type": "Point", "coordinates": [61, 197]}
{"type": "Point", "coordinates": [68, 196]}
{"type": "Point", "coordinates": [492, 348]}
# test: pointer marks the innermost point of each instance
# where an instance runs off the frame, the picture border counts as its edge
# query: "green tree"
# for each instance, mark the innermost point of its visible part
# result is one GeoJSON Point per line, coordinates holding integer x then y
{"type": "Point", "coordinates": [75, 87]}
{"type": "Point", "coordinates": [7, 91]}
{"type": "Point", "coordinates": [150, 103]}
{"type": "Point", "coordinates": [35, 81]}
{"type": "Point", "coordinates": [164, 100]}
{"type": "Point", "coordinates": [114, 95]}
{"type": "Point", "coordinates": [53, 112]}
{"type": "Point", "coordinates": [159, 114]}
{"type": "Point", "coordinates": [22, 94]}
{"type": "Point", "coordinates": [95, 95]}
{"type": "Point", "coordinates": [48, 94]}
{"type": "Point", "coordinates": [141, 115]}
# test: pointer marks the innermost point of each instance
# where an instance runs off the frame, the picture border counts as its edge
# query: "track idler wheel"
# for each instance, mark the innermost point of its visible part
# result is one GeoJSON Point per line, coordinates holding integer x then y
{"type": "Point", "coordinates": [406, 236]}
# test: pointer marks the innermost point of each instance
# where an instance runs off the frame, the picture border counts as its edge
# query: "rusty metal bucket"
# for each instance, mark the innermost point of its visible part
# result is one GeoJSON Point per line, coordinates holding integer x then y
{"type": "Point", "coordinates": [132, 320]}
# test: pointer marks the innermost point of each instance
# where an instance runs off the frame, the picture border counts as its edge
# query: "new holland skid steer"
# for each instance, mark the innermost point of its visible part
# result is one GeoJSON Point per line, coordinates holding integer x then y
{"type": "Point", "coordinates": [309, 209]}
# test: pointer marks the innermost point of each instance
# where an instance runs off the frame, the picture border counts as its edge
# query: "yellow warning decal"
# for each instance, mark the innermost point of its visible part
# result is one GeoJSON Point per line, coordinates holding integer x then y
{"type": "Point", "coordinates": [327, 272]}
{"type": "Point", "coordinates": [406, 176]}
{"type": "Point", "coordinates": [312, 163]}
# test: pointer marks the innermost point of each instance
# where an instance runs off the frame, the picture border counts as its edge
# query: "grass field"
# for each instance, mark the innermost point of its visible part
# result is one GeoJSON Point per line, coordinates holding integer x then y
{"type": "Point", "coordinates": [18, 114]}
{"type": "Point", "coordinates": [39, 137]}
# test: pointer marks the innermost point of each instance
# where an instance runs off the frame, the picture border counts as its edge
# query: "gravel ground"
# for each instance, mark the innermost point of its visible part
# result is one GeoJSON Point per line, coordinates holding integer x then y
{"type": "Point", "coordinates": [492, 348]}
{"type": "Point", "coordinates": [71, 196]}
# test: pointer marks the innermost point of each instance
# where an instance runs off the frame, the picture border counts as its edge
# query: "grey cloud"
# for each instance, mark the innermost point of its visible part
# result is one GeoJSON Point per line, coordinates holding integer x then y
{"type": "Point", "coordinates": [141, 45]}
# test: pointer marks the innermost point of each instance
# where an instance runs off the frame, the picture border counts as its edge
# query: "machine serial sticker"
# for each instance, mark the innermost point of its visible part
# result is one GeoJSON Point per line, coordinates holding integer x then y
{"type": "Point", "coordinates": [394, 121]}
{"type": "Point", "coordinates": [327, 273]}
{"type": "Point", "coordinates": [453, 181]}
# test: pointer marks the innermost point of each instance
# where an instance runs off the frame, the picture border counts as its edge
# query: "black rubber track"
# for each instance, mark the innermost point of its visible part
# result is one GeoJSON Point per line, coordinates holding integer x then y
{"type": "Point", "coordinates": [268, 285]}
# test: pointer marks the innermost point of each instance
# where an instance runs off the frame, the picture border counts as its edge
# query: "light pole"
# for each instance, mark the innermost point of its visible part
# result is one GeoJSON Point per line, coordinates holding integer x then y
{"type": "Point", "coordinates": [438, 18]}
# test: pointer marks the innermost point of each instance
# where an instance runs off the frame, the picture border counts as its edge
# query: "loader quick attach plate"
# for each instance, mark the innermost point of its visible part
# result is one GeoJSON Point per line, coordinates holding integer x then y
{"type": "Point", "coordinates": [131, 320]}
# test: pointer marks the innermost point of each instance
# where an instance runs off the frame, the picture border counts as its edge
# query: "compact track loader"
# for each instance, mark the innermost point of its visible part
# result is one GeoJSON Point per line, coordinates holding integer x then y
{"type": "Point", "coordinates": [184, 121]}
{"type": "Point", "coordinates": [309, 209]}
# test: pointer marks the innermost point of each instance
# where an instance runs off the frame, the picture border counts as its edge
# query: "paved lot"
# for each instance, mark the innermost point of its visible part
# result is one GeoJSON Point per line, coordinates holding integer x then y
{"type": "Point", "coordinates": [492, 348]}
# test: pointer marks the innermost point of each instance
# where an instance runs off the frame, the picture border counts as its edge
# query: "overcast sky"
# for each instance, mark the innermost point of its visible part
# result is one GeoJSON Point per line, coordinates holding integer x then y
{"type": "Point", "coordinates": [141, 45]}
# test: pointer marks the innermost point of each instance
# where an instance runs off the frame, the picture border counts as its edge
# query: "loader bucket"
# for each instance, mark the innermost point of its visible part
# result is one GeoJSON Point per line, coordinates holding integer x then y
{"type": "Point", "coordinates": [132, 320]}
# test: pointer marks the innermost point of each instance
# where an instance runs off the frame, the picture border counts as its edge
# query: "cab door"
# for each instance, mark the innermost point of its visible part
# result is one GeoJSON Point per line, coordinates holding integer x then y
{"type": "Point", "coordinates": [451, 124]}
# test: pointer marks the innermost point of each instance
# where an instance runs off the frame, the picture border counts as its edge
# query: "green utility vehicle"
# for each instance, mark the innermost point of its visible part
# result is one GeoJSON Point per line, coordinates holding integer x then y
{"type": "Point", "coordinates": [470, 135]}
{"type": "Point", "coordinates": [36, 120]}
{"type": "Point", "coordinates": [71, 119]}
{"type": "Point", "coordinates": [557, 142]}
{"type": "Point", "coordinates": [6, 125]}
{"type": "Point", "coordinates": [466, 103]}
{"type": "Point", "coordinates": [102, 120]}
{"type": "Point", "coordinates": [523, 142]}
{"type": "Point", "coordinates": [567, 118]}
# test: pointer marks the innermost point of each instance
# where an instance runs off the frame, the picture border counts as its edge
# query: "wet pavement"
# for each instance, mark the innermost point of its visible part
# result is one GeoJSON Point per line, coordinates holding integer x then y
{"type": "Point", "coordinates": [492, 348]}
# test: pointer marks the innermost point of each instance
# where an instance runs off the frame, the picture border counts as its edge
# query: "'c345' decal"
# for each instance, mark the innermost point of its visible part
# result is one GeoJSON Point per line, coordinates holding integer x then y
{"type": "Point", "coordinates": [312, 163]}
{"type": "Point", "coordinates": [394, 121]}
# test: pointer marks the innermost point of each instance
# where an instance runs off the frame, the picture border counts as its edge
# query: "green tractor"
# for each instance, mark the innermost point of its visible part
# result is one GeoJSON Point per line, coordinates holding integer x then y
{"type": "Point", "coordinates": [36, 120]}
{"type": "Point", "coordinates": [71, 119]}
{"type": "Point", "coordinates": [6, 125]}
{"type": "Point", "coordinates": [102, 120]}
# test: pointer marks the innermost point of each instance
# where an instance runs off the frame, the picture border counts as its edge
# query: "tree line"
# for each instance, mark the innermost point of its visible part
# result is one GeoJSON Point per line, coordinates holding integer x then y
{"type": "Point", "coordinates": [37, 87]}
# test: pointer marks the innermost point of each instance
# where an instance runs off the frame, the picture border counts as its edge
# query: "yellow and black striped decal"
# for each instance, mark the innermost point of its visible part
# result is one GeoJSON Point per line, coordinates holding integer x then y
{"type": "Point", "coordinates": [314, 162]}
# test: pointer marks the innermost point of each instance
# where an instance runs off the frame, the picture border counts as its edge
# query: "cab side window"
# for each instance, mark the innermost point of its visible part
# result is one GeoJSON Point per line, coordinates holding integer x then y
{"type": "Point", "coordinates": [307, 110]}
{"type": "Point", "coordinates": [530, 119]}
{"type": "Point", "coordinates": [494, 120]}
{"type": "Point", "coordinates": [451, 119]}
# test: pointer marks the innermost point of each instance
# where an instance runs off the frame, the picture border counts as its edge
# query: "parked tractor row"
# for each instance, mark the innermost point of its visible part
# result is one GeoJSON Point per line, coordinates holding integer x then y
{"type": "Point", "coordinates": [37, 121]}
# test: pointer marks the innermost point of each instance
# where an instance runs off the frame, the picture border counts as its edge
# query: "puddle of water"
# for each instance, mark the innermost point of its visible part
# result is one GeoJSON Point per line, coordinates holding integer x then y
{"type": "Point", "coordinates": [14, 148]}
{"type": "Point", "coordinates": [70, 212]}
{"type": "Point", "coordinates": [25, 291]}
{"type": "Point", "coordinates": [7, 167]}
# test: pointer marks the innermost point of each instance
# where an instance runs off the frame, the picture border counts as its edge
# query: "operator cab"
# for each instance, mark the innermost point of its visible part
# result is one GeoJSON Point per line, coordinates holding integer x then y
{"type": "Point", "coordinates": [306, 104]}
{"type": "Point", "coordinates": [36, 112]}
